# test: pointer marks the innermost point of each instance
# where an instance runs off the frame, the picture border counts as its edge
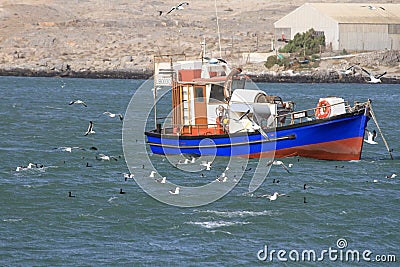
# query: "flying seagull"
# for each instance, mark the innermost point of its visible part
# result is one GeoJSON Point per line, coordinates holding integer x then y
{"type": "Point", "coordinates": [178, 7]}
{"type": "Point", "coordinates": [206, 164]}
{"type": "Point", "coordinates": [278, 162]}
{"type": "Point", "coordinates": [113, 115]}
{"type": "Point", "coordinates": [374, 79]}
{"type": "Point", "coordinates": [78, 102]}
{"type": "Point", "coordinates": [105, 157]}
{"type": "Point", "coordinates": [90, 129]}
{"type": "Point", "coordinates": [370, 137]}
{"type": "Point", "coordinates": [349, 70]}
{"type": "Point", "coordinates": [273, 197]}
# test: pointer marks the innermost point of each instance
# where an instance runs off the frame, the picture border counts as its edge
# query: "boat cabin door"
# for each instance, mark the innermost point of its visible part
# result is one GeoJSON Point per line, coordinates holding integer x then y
{"type": "Point", "coordinates": [200, 106]}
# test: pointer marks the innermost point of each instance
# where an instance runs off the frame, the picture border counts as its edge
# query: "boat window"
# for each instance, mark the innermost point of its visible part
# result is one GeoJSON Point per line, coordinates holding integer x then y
{"type": "Point", "coordinates": [199, 94]}
{"type": "Point", "coordinates": [217, 93]}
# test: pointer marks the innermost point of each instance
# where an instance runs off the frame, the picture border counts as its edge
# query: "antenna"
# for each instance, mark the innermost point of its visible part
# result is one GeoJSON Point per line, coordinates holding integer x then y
{"type": "Point", "coordinates": [219, 34]}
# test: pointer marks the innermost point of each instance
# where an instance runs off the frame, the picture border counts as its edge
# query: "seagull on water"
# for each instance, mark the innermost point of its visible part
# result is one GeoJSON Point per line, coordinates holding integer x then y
{"type": "Point", "coordinates": [152, 174]}
{"type": "Point", "coordinates": [178, 7]}
{"type": "Point", "coordinates": [128, 176]}
{"type": "Point", "coordinates": [391, 176]}
{"type": "Point", "coordinates": [69, 149]}
{"type": "Point", "coordinates": [78, 102]}
{"type": "Point", "coordinates": [20, 168]}
{"type": "Point", "coordinates": [176, 192]}
{"type": "Point", "coordinates": [113, 115]}
{"type": "Point", "coordinates": [370, 137]}
{"type": "Point", "coordinates": [273, 196]}
{"type": "Point", "coordinates": [223, 178]}
{"type": "Point", "coordinates": [372, 78]}
{"type": "Point", "coordinates": [162, 181]}
{"type": "Point", "coordinates": [278, 162]}
{"type": "Point", "coordinates": [90, 129]}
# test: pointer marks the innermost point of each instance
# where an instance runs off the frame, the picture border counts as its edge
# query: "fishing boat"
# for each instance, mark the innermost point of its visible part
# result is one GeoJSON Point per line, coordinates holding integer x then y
{"type": "Point", "coordinates": [219, 111]}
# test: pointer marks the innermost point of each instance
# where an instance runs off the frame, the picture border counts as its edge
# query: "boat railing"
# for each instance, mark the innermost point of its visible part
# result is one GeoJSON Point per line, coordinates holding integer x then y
{"type": "Point", "coordinates": [289, 118]}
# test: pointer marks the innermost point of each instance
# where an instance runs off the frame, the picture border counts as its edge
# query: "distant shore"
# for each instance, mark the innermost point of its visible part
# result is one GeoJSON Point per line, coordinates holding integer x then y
{"type": "Point", "coordinates": [146, 74]}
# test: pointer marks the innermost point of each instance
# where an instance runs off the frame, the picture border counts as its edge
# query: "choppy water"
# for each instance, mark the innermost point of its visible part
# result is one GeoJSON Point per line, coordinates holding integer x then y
{"type": "Point", "coordinates": [41, 225]}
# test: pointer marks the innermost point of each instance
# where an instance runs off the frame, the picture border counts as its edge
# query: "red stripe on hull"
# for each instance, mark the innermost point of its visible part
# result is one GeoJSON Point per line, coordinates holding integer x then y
{"type": "Point", "coordinates": [347, 149]}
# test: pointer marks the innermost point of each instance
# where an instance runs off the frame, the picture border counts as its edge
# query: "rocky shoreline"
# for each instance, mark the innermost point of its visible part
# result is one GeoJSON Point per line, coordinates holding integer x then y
{"type": "Point", "coordinates": [314, 77]}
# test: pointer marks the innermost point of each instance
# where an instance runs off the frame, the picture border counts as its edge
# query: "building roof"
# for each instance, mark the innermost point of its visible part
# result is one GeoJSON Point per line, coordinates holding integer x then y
{"type": "Point", "coordinates": [359, 12]}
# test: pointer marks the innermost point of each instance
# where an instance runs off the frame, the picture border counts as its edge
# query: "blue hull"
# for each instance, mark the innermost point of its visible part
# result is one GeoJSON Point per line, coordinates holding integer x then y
{"type": "Point", "coordinates": [336, 138]}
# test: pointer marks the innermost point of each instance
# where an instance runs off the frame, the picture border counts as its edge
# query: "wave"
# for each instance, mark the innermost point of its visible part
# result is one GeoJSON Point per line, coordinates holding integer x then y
{"type": "Point", "coordinates": [239, 213]}
{"type": "Point", "coordinates": [216, 224]}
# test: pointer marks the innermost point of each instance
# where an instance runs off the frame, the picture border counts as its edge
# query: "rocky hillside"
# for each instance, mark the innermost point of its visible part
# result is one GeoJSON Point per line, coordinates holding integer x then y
{"type": "Point", "coordinates": [121, 35]}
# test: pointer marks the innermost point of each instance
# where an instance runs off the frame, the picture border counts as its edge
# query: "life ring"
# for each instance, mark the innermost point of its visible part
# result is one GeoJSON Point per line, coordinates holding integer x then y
{"type": "Point", "coordinates": [323, 109]}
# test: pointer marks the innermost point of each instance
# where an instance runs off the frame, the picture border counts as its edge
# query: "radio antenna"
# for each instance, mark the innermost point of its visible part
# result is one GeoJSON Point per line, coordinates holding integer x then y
{"type": "Point", "coordinates": [219, 34]}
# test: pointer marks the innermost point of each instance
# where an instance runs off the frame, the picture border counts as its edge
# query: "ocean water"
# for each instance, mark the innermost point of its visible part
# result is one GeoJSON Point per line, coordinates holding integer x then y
{"type": "Point", "coordinates": [349, 203]}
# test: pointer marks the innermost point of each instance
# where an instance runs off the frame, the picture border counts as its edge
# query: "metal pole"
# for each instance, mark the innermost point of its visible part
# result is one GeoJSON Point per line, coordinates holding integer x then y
{"type": "Point", "coordinates": [379, 129]}
{"type": "Point", "coordinates": [155, 93]}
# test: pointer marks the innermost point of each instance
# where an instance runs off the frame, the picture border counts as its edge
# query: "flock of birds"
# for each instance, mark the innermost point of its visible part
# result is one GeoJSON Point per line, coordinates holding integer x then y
{"type": "Point", "coordinates": [371, 139]}
{"type": "Point", "coordinates": [89, 131]}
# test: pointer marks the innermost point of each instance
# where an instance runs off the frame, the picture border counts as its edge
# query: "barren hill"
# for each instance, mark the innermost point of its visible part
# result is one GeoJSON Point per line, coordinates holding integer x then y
{"type": "Point", "coordinates": [124, 35]}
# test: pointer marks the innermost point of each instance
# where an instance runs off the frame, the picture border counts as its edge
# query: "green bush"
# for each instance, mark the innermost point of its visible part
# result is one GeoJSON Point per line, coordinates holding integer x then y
{"type": "Point", "coordinates": [308, 42]}
{"type": "Point", "coordinates": [271, 61]}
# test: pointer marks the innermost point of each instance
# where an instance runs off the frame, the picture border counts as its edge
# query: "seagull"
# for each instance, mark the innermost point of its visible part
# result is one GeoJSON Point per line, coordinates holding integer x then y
{"type": "Point", "coordinates": [162, 181]}
{"type": "Point", "coordinates": [178, 7]}
{"type": "Point", "coordinates": [370, 137]}
{"type": "Point", "coordinates": [349, 70]}
{"type": "Point", "coordinates": [70, 194]}
{"type": "Point", "coordinates": [128, 176]}
{"type": "Point", "coordinates": [223, 178]}
{"type": "Point", "coordinates": [391, 176]}
{"type": "Point", "coordinates": [278, 162]}
{"type": "Point", "coordinates": [78, 102]}
{"type": "Point", "coordinates": [32, 165]}
{"type": "Point", "coordinates": [206, 164]}
{"type": "Point", "coordinates": [113, 115]}
{"type": "Point", "coordinates": [152, 174]}
{"type": "Point", "coordinates": [374, 79]}
{"type": "Point", "coordinates": [273, 197]}
{"type": "Point", "coordinates": [69, 149]}
{"type": "Point", "coordinates": [20, 168]}
{"type": "Point", "coordinates": [176, 192]}
{"type": "Point", "coordinates": [187, 161]}
{"type": "Point", "coordinates": [105, 157]}
{"type": "Point", "coordinates": [90, 129]}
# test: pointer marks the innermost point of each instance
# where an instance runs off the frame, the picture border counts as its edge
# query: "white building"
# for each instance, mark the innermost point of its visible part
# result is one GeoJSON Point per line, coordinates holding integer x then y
{"type": "Point", "coordinates": [350, 26]}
